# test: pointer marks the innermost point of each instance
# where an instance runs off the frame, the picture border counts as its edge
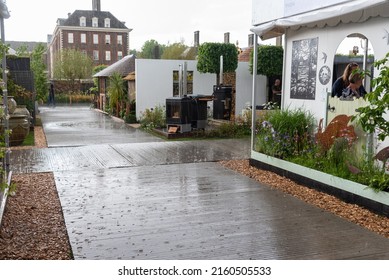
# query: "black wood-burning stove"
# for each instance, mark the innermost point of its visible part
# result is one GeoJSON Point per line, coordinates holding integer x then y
{"type": "Point", "coordinates": [222, 102]}
{"type": "Point", "coordinates": [185, 113]}
{"type": "Point", "coordinates": [200, 111]}
{"type": "Point", "coordinates": [179, 113]}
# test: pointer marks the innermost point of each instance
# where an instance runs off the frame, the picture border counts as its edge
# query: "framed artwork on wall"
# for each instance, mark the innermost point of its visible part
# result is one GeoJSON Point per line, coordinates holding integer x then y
{"type": "Point", "coordinates": [304, 69]}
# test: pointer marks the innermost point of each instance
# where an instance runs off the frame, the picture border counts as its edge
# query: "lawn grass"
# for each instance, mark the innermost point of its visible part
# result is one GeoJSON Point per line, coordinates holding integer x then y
{"type": "Point", "coordinates": [29, 140]}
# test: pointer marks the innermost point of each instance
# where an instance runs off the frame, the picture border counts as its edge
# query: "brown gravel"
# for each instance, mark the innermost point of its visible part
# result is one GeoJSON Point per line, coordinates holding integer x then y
{"type": "Point", "coordinates": [33, 225]}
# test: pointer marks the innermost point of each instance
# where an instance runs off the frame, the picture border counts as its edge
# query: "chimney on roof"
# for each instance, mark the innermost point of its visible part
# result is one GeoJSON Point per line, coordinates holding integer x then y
{"type": "Point", "coordinates": [227, 37]}
{"type": "Point", "coordinates": [197, 39]}
{"type": "Point", "coordinates": [96, 5]}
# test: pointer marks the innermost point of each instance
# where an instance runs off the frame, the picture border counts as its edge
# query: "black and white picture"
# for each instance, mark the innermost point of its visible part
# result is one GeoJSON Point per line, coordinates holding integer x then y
{"type": "Point", "coordinates": [304, 69]}
{"type": "Point", "coordinates": [324, 75]}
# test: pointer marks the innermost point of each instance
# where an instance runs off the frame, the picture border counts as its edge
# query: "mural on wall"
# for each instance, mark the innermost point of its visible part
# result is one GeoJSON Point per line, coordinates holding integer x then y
{"type": "Point", "coordinates": [304, 69]}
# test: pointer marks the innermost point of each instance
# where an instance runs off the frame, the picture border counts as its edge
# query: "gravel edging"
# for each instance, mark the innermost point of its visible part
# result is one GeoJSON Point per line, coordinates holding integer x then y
{"type": "Point", "coordinates": [33, 226]}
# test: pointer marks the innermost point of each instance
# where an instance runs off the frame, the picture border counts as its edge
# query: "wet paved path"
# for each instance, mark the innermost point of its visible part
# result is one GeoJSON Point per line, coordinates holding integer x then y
{"type": "Point", "coordinates": [149, 199]}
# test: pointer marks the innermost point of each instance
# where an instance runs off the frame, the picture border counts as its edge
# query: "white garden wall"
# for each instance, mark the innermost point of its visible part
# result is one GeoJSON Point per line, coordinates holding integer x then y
{"type": "Point", "coordinates": [154, 83]}
{"type": "Point", "coordinates": [244, 88]}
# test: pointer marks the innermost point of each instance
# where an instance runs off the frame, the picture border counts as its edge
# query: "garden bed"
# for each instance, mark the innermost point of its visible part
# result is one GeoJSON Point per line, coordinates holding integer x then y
{"type": "Point", "coordinates": [346, 190]}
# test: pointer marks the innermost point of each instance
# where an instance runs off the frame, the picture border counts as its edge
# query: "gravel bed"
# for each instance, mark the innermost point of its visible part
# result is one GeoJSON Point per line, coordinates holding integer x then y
{"type": "Point", "coordinates": [33, 226]}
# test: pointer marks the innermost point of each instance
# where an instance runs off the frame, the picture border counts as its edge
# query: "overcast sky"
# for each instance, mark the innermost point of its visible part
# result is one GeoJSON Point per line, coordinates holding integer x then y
{"type": "Point", "coordinates": [167, 21]}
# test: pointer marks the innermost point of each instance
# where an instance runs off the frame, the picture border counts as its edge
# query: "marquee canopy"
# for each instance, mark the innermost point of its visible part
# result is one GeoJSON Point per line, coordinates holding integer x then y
{"type": "Point", "coordinates": [353, 11]}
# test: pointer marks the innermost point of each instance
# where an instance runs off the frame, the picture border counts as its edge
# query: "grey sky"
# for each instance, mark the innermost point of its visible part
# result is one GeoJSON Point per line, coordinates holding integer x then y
{"type": "Point", "coordinates": [165, 21]}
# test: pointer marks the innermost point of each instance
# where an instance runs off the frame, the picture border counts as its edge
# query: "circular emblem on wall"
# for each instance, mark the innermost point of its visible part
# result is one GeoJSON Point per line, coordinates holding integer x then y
{"type": "Point", "coordinates": [324, 75]}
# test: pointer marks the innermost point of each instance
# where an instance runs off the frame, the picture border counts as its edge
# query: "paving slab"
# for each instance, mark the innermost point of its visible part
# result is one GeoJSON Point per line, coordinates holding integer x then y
{"type": "Point", "coordinates": [80, 125]}
{"type": "Point", "coordinates": [200, 211]}
{"type": "Point", "coordinates": [93, 157]}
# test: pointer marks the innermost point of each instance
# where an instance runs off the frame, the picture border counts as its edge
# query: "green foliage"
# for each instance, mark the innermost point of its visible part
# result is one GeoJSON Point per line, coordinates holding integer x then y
{"type": "Point", "coordinates": [372, 116]}
{"type": "Point", "coordinates": [224, 130]}
{"type": "Point", "coordinates": [270, 60]}
{"type": "Point", "coordinates": [3, 49]}
{"type": "Point", "coordinates": [21, 95]}
{"type": "Point", "coordinates": [73, 65]}
{"type": "Point", "coordinates": [153, 118]}
{"type": "Point", "coordinates": [209, 58]}
{"type": "Point", "coordinates": [29, 140]}
{"type": "Point", "coordinates": [4, 187]}
{"type": "Point", "coordinates": [289, 135]}
{"type": "Point", "coordinates": [284, 133]}
{"type": "Point", "coordinates": [149, 50]}
{"type": "Point", "coordinates": [116, 90]}
{"type": "Point", "coordinates": [38, 67]}
{"type": "Point", "coordinates": [73, 98]}
{"type": "Point", "coordinates": [130, 118]}
{"type": "Point", "coordinates": [22, 51]}
{"type": "Point", "coordinates": [134, 52]}
{"type": "Point", "coordinates": [174, 51]}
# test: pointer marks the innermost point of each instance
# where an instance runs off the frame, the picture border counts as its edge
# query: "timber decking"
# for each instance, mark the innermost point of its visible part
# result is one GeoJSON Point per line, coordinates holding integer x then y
{"type": "Point", "coordinates": [127, 195]}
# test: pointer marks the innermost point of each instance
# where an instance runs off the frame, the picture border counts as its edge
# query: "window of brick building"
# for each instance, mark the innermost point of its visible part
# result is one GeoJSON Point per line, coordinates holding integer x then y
{"type": "Point", "coordinates": [70, 38]}
{"type": "Point", "coordinates": [83, 21]}
{"type": "Point", "coordinates": [120, 40]}
{"type": "Point", "coordinates": [96, 39]}
{"type": "Point", "coordinates": [107, 22]}
{"type": "Point", "coordinates": [120, 55]}
{"type": "Point", "coordinates": [83, 38]}
{"type": "Point", "coordinates": [95, 55]}
{"type": "Point", "coordinates": [108, 56]}
{"type": "Point", "coordinates": [95, 22]}
{"type": "Point", "coordinates": [108, 39]}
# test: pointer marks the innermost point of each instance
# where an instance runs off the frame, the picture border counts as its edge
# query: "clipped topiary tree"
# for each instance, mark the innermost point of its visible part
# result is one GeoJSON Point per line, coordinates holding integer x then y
{"type": "Point", "coordinates": [209, 58]}
{"type": "Point", "coordinates": [270, 60]}
{"type": "Point", "coordinates": [270, 63]}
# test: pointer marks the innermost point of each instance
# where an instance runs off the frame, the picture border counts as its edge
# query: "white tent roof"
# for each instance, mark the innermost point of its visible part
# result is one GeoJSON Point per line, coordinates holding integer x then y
{"type": "Point", "coordinates": [353, 11]}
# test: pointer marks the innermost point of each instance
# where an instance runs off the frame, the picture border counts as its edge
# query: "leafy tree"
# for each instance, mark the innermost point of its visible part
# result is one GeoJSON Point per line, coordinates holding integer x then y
{"type": "Point", "coordinates": [38, 67]}
{"type": "Point", "coordinates": [134, 52]}
{"type": "Point", "coordinates": [73, 65]}
{"type": "Point", "coordinates": [174, 51]}
{"type": "Point", "coordinates": [22, 51]}
{"type": "Point", "coordinates": [372, 117]}
{"type": "Point", "coordinates": [116, 92]}
{"type": "Point", "coordinates": [151, 49]}
{"type": "Point", "coordinates": [209, 58]}
{"type": "Point", "coordinates": [270, 60]}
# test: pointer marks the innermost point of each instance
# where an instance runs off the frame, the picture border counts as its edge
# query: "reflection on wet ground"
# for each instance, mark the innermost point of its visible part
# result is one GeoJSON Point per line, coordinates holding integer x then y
{"type": "Point", "coordinates": [128, 195]}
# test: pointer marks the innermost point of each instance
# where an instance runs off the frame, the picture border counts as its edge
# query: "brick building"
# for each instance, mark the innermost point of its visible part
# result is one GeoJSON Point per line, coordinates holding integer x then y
{"type": "Point", "coordinates": [97, 33]}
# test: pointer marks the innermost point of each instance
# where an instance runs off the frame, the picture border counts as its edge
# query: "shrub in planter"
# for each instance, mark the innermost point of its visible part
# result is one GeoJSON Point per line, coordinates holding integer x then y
{"type": "Point", "coordinates": [153, 118]}
{"type": "Point", "coordinates": [284, 133]}
{"type": "Point", "coordinates": [288, 135]}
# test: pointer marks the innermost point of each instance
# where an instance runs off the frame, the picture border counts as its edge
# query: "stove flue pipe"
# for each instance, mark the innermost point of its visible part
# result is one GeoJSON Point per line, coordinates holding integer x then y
{"type": "Point", "coordinates": [180, 80]}
{"type": "Point", "coordinates": [221, 70]}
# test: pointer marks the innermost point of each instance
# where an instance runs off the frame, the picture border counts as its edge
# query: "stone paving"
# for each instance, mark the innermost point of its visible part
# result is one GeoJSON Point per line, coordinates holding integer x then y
{"type": "Point", "coordinates": [137, 197]}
